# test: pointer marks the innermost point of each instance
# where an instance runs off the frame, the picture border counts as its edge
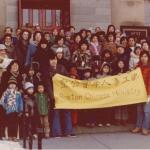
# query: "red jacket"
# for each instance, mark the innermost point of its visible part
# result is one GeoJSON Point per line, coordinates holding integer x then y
{"type": "Point", "coordinates": [146, 76]}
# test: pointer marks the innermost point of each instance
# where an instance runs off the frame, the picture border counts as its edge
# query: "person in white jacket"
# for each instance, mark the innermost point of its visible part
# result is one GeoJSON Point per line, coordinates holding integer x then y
{"type": "Point", "coordinates": [134, 58]}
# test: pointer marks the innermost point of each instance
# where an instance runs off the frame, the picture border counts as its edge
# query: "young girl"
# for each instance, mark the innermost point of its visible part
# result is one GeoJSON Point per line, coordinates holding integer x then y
{"type": "Point", "coordinates": [31, 113]}
{"type": "Point", "coordinates": [13, 105]}
{"type": "Point", "coordinates": [42, 102]}
{"type": "Point", "coordinates": [143, 109]}
{"type": "Point", "coordinates": [121, 113]}
{"type": "Point", "coordinates": [81, 58]}
{"type": "Point", "coordinates": [95, 46]}
{"type": "Point", "coordinates": [74, 75]}
{"type": "Point", "coordinates": [134, 58]}
{"type": "Point", "coordinates": [110, 43]}
{"type": "Point", "coordinates": [88, 116]}
{"type": "Point", "coordinates": [104, 115]}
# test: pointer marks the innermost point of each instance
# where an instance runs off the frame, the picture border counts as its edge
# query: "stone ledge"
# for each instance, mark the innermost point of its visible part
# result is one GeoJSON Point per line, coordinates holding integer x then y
{"type": "Point", "coordinates": [104, 129]}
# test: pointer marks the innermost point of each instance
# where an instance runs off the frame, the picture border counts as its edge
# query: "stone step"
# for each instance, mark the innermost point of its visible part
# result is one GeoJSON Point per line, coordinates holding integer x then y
{"type": "Point", "coordinates": [104, 129]}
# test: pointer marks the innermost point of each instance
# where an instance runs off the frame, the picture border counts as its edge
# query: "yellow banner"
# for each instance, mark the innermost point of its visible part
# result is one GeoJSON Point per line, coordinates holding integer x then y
{"type": "Point", "coordinates": [111, 91]}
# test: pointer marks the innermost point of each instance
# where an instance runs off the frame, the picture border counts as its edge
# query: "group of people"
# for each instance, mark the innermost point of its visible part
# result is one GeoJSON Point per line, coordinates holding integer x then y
{"type": "Point", "coordinates": [29, 60]}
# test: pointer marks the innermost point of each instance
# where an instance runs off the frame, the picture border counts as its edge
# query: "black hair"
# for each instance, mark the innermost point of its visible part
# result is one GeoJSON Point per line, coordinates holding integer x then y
{"type": "Point", "coordinates": [11, 29]}
{"type": "Point", "coordinates": [93, 35]}
{"type": "Point", "coordinates": [137, 47]}
{"type": "Point", "coordinates": [58, 38]}
{"type": "Point", "coordinates": [12, 62]}
{"type": "Point", "coordinates": [143, 53]}
{"type": "Point", "coordinates": [36, 32]}
{"type": "Point", "coordinates": [25, 30]}
{"type": "Point", "coordinates": [111, 25]}
{"type": "Point", "coordinates": [123, 38]}
{"type": "Point", "coordinates": [7, 35]}
{"type": "Point", "coordinates": [83, 42]}
{"type": "Point", "coordinates": [110, 33]}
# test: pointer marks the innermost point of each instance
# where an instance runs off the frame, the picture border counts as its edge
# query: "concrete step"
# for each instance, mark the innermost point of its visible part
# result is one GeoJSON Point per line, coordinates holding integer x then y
{"type": "Point", "coordinates": [104, 129]}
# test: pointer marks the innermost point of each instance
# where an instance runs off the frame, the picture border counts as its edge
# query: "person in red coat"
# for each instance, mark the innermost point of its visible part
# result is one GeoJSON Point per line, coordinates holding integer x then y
{"type": "Point", "coordinates": [143, 109]}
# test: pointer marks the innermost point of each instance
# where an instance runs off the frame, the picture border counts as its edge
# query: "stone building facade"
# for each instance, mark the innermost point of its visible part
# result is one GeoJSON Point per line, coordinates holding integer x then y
{"type": "Point", "coordinates": [90, 13]}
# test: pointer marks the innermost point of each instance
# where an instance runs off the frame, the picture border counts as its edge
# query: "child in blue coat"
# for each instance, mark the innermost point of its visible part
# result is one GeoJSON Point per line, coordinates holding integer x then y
{"type": "Point", "coordinates": [13, 105]}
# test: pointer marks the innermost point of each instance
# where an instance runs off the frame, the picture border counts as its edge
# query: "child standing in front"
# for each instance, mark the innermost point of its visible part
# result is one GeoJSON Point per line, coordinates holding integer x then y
{"type": "Point", "coordinates": [42, 102]}
{"type": "Point", "coordinates": [13, 105]}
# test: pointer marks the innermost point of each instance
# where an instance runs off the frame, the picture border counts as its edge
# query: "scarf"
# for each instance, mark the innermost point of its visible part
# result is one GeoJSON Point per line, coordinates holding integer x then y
{"type": "Point", "coordinates": [9, 100]}
{"type": "Point", "coordinates": [95, 45]}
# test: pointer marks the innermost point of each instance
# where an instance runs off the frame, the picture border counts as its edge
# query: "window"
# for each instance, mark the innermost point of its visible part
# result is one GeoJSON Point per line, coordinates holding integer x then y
{"type": "Point", "coordinates": [46, 13]}
{"type": "Point", "coordinates": [25, 16]}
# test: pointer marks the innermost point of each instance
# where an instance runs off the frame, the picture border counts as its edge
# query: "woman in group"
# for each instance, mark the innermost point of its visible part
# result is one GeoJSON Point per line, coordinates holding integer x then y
{"type": "Point", "coordinates": [12, 71]}
{"type": "Point", "coordinates": [81, 58]}
{"type": "Point", "coordinates": [76, 42]}
{"type": "Point", "coordinates": [143, 109]}
{"type": "Point", "coordinates": [21, 48]}
{"type": "Point", "coordinates": [60, 42]}
{"type": "Point", "coordinates": [95, 47]}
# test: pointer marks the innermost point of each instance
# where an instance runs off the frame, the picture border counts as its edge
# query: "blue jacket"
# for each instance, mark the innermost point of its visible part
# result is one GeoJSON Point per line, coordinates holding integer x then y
{"type": "Point", "coordinates": [30, 53]}
{"type": "Point", "coordinates": [18, 107]}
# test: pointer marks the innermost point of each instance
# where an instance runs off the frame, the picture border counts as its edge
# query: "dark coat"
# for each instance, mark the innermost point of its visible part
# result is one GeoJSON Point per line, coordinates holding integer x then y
{"type": "Point", "coordinates": [21, 52]}
{"type": "Point", "coordinates": [47, 79]}
{"type": "Point", "coordinates": [42, 57]}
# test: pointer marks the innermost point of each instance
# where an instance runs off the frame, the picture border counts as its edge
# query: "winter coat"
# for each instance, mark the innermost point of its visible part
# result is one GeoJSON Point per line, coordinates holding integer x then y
{"type": "Point", "coordinates": [12, 101]}
{"type": "Point", "coordinates": [110, 46]}
{"type": "Point", "coordinates": [95, 51]}
{"type": "Point", "coordinates": [42, 103]}
{"type": "Point", "coordinates": [32, 48]}
{"type": "Point", "coordinates": [47, 79]}
{"type": "Point", "coordinates": [21, 50]}
{"type": "Point", "coordinates": [82, 60]}
{"type": "Point", "coordinates": [145, 69]}
{"type": "Point", "coordinates": [42, 57]}
{"type": "Point", "coordinates": [74, 47]}
{"type": "Point", "coordinates": [133, 62]}
{"type": "Point", "coordinates": [30, 105]}
{"type": "Point", "coordinates": [66, 51]}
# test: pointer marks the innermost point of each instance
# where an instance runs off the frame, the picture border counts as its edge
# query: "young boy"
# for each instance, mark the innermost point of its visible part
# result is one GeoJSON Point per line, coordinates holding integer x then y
{"type": "Point", "coordinates": [13, 105]}
{"type": "Point", "coordinates": [43, 108]}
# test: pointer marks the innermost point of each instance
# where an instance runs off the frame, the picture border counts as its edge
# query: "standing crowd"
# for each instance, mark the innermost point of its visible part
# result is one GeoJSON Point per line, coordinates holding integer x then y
{"type": "Point", "coordinates": [30, 59]}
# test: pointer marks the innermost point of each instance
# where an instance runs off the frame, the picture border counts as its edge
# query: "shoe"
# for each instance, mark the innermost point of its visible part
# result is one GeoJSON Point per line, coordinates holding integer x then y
{"type": "Point", "coordinates": [70, 135]}
{"type": "Point", "coordinates": [35, 136]}
{"type": "Point", "coordinates": [92, 125]}
{"type": "Point", "coordinates": [57, 136]}
{"type": "Point", "coordinates": [145, 132]}
{"type": "Point", "coordinates": [87, 124]}
{"type": "Point", "coordinates": [46, 136]}
{"type": "Point", "coordinates": [14, 139]}
{"type": "Point", "coordinates": [108, 124]}
{"type": "Point", "coordinates": [136, 130]}
{"type": "Point", "coordinates": [100, 125]}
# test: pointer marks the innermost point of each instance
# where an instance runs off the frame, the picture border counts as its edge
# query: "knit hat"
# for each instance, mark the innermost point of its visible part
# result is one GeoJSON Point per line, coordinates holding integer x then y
{"type": "Point", "coordinates": [105, 64]}
{"type": "Point", "coordinates": [2, 47]}
{"type": "Point", "coordinates": [59, 50]}
{"type": "Point", "coordinates": [12, 80]}
{"type": "Point", "coordinates": [28, 85]}
{"type": "Point", "coordinates": [73, 72]}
